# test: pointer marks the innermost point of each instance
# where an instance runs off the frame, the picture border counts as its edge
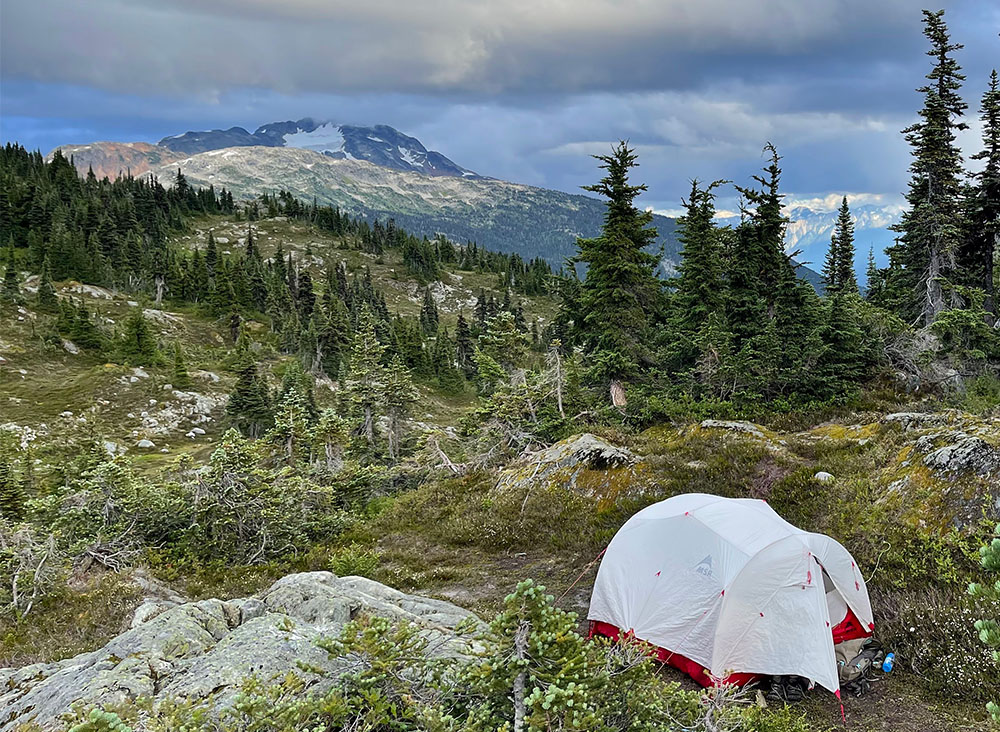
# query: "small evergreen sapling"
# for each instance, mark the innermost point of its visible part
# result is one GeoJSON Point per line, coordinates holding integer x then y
{"type": "Point", "coordinates": [179, 375]}
{"type": "Point", "coordinates": [137, 346]}
{"type": "Point", "coordinates": [46, 298]}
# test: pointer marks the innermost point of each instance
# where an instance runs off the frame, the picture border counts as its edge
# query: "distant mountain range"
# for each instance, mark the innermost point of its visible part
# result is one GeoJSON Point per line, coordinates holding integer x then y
{"type": "Point", "coordinates": [810, 229]}
{"type": "Point", "coordinates": [811, 225]}
{"type": "Point", "coordinates": [381, 144]}
{"type": "Point", "coordinates": [380, 172]}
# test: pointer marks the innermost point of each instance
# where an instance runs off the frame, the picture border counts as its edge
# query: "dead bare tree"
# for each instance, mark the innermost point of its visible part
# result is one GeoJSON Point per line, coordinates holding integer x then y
{"type": "Point", "coordinates": [30, 562]}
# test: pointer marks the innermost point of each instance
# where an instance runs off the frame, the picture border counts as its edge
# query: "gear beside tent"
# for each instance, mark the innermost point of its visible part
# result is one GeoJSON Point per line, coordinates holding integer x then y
{"type": "Point", "coordinates": [726, 590]}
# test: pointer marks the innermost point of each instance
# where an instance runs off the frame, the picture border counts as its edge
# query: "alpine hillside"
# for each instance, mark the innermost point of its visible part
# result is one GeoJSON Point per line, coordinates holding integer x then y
{"type": "Point", "coordinates": [378, 172]}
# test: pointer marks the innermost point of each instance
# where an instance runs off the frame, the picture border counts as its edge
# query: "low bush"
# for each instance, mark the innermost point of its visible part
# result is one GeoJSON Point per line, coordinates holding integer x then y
{"type": "Point", "coordinates": [355, 560]}
{"type": "Point", "coordinates": [933, 635]}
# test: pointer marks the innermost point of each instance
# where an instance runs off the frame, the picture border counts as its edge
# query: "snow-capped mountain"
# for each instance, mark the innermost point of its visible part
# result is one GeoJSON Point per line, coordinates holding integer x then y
{"type": "Point", "coordinates": [810, 229]}
{"type": "Point", "coordinates": [381, 144]}
{"type": "Point", "coordinates": [811, 224]}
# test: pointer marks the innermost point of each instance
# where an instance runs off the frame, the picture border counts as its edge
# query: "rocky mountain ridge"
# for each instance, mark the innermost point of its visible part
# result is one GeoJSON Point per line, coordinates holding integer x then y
{"type": "Point", "coordinates": [380, 144]}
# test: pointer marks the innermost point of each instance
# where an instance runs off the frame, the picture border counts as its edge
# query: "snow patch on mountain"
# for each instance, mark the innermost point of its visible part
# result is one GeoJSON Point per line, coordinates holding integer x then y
{"type": "Point", "coordinates": [325, 138]}
{"type": "Point", "coordinates": [416, 159]}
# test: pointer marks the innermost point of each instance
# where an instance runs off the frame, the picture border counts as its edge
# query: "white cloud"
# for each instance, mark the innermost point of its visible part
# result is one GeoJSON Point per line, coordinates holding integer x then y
{"type": "Point", "coordinates": [832, 201]}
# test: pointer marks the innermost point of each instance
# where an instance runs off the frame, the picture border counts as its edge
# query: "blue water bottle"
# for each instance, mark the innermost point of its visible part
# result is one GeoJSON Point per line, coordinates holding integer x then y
{"type": "Point", "coordinates": [887, 663]}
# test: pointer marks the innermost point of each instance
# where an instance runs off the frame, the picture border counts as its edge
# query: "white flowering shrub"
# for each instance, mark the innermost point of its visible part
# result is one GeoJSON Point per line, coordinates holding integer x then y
{"type": "Point", "coordinates": [934, 636]}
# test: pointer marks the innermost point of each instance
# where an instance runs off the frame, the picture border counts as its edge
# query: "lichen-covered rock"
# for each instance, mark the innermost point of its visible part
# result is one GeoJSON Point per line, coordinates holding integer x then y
{"type": "Point", "coordinates": [914, 420]}
{"type": "Point", "coordinates": [747, 428]}
{"type": "Point", "coordinates": [966, 455]}
{"type": "Point", "coordinates": [207, 648]}
{"type": "Point", "coordinates": [583, 463]}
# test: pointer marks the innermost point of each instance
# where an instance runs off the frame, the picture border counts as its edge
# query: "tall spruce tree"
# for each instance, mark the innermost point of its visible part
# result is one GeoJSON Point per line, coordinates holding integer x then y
{"type": "Point", "coordinates": [398, 396]}
{"type": "Point", "coordinates": [838, 270]}
{"type": "Point", "coordinates": [979, 247]}
{"type": "Point", "coordinates": [756, 259]}
{"type": "Point", "coordinates": [621, 293]}
{"type": "Point", "coordinates": [700, 285]}
{"type": "Point", "coordinates": [931, 228]}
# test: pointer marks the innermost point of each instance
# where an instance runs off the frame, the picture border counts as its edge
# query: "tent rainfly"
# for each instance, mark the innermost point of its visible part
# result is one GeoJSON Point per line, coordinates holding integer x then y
{"type": "Point", "coordinates": [726, 590]}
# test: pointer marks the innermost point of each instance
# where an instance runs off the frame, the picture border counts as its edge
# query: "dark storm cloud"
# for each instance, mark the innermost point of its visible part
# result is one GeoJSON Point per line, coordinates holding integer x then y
{"type": "Point", "coordinates": [519, 89]}
{"type": "Point", "coordinates": [442, 46]}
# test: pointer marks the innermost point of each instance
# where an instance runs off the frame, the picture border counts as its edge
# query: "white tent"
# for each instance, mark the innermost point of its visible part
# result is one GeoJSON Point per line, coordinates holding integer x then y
{"type": "Point", "coordinates": [726, 585]}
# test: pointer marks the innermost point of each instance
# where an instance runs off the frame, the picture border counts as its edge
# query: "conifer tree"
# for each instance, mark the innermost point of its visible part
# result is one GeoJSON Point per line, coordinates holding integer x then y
{"type": "Point", "coordinates": [931, 227]}
{"type": "Point", "coordinates": [838, 270]}
{"type": "Point", "coordinates": [12, 496]}
{"type": "Point", "coordinates": [365, 383]}
{"type": "Point", "coordinates": [976, 256]}
{"type": "Point", "coordinates": [46, 298]}
{"type": "Point", "coordinates": [335, 335]}
{"type": "Point", "coordinates": [873, 276]}
{"type": "Point", "coordinates": [291, 429]}
{"type": "Point", "coordinates": [757, 262]}
{"type": "Point", "coordinates": [503, 342]}
{"type": "Point", "coordinates": [481, 311]}
{"type": "Point", "coordinates": [137, 346]}
{"type": "Point", "coordinates": [296, 379]}
{"type": "Point", "coordinates": [621, 293]}
{"type": "Point", "coordinates": [464, 347]}
{"type": "Point", "coordinates": [11, 290]}
{"type": "Point", "coordinates": [700, 284]}
{"type": "Point", "coordinates": [179, 375]}
{"type": "Point", "coordinates": [211, 256]}
{"type": "Point", "coordinates": [399, 395]}
{"type": "Point", "coordinates": [249, 405]}
{"type": "Point", "coordinates": [429, 314]}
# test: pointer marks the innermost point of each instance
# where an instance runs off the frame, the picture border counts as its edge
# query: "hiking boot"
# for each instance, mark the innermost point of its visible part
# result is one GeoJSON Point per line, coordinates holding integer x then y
{"type": "Point", "coordinates": [777, 691]}
{"type": "Point", "coordinates": [794, 691]}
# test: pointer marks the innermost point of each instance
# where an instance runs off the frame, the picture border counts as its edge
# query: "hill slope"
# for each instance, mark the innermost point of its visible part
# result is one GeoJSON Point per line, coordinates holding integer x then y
{"type": "Point", "coordinates": [503, 216]}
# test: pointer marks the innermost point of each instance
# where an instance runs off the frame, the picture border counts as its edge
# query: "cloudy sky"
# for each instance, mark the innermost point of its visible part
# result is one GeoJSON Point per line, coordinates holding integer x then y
{"type": "Point", "coordinates": [518, 89]}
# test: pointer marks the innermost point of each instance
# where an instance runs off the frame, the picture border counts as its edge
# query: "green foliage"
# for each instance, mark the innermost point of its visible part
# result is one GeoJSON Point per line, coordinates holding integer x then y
{"type": "Point", "coordinates": [10, 289]}
{"type": "Point", "coordinates": [965, 332]}
{"type": "Point", "coordinates": [12, 490]}
{"type": "Point", "coordinates": [621, 293]}
{"type": "Point", "coordinates": [101, 721]}
{"type": "Point", "coordinates": [137, 344]}
{"type": "Point", "coordinates": [365, 382]}
{"type": "Point", "coordinates": [989, 627]}
{"type": "Point", "coordinates": [179, 376]}
{"type": "Point", "coordinates": [838, 270]}
{"type": "Point", "coordinates": [931, 228]}
{"type": "Point", "coordinates": [355, 560]}
{"type": "Point", "coordinates": [249, 405]}
{"type": "Point", "coordinates": [46, 298]}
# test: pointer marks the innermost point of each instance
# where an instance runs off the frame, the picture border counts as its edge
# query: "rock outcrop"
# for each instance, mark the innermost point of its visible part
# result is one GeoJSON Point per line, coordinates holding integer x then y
{"type": "Point", "coordinates": [583, 463]}
{"type": "Point", "coordinates": [205, 648]}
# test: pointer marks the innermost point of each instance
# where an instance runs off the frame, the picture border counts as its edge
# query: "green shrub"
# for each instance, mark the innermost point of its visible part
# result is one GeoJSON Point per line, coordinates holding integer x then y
{"type": "Point", "coordinates": [777, 719]}
{"type": "Point", "coordinates": [355, 560]}
{"type": "Point", "coordinates": [933, 635]}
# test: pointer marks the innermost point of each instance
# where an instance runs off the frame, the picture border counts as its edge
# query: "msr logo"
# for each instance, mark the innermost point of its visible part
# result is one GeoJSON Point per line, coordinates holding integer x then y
{"type": "Point", "coordinates": [704, 567]}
